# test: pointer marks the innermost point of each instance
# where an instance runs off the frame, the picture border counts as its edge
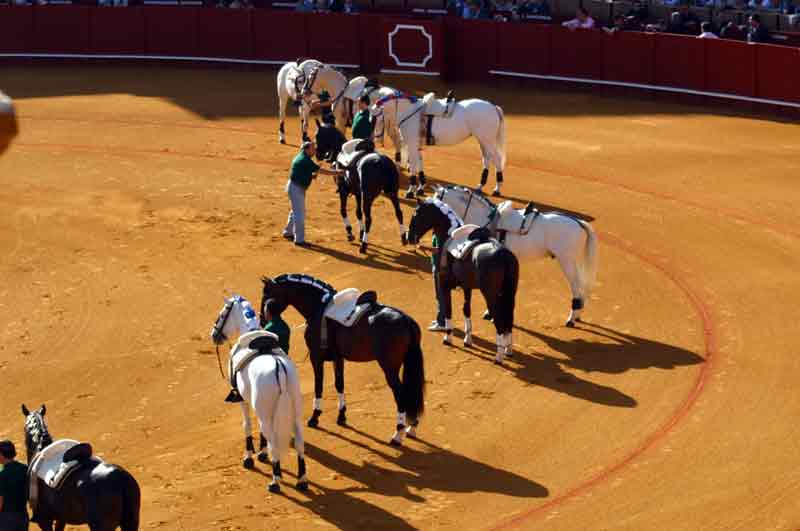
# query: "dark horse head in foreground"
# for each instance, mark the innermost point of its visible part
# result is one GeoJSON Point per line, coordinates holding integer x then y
{"type": "Point", "coordinates": [486, 264]}
{"type": "Point", "coordinates": [383, 334]}
{"type": "Point", "coordinates": [367, 175]}
{"type": "Point", "coordinates": [104, 496]}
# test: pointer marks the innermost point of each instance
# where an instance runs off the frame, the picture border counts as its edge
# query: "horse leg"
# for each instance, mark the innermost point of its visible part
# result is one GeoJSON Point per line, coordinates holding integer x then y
{"type": "Point", "coordinates": [304, 121]}
{"type": "Point", "coordinates": [281, 117]}
{"type": "Point", "coordinates": [447, 303]}
{"type": "Point", "coordinates": [398, 157]}
{"type": "Point", "coordinates": [319, 368]}
{"type": "Point", "coordinates": [399, 215]}
{"type": "Point", "coordinates": [359, 217]}
{"type": "Point", "coordinates": [263, 447]}
{"type": "Point", "coordinates": [299, 443]}
{"type": "Point", "coordinates": [368, 219]}
{"type": "Point", "coordinates": [393, 379]}
{"type": "Point", "coordinates": [338, 371]}
{"type": "Point", "coordinates": [343, 211]}
{"type": "Point", "coordinates": [485, 172]}
{"type": "Point", "coordinates": [275, 484]}
{"type": "Point", "coordinates": [467, 317]}
{"type": "Point", "coordinates": [412, 185]}
{"type": "Point", "coordinates": [421, 187]}
{"type": "Point", "coordinates": [570, 268]}
{"type": "Point", "coordinates": [248, 436]}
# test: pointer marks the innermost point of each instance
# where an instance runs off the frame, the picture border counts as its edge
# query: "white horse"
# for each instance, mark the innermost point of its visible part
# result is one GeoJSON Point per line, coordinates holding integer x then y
{"type": "Point", "coordinates": [452, 124]}
{"type": "Point", "coordinates": [533, 235]}
{"type": "Point", "coordinates": [321, 77]}
{"type": "Point", "coordinates": [269, 384]}
{"type": "Point", "coordinates": [360, 85]}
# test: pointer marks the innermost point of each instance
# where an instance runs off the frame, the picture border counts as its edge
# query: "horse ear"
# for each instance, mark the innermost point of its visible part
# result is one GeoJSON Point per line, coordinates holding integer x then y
{"type": "Point", "coordinates": [25, 410]}
{"type": "Point", "coordinates": [43, 410]}
{"type": "Point", "coordinates": [266, 280]}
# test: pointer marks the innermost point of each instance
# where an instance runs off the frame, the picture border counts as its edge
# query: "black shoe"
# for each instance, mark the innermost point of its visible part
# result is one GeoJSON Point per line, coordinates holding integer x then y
{"type": "Point", "coordinates": [234, 397]}
{"type": "Point", "coordinates": [287, 236]}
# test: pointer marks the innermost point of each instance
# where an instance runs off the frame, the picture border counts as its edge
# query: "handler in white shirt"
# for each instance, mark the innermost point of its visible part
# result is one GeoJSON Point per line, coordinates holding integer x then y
{"type": "Point", "coordinates": [705, 31]}
{"type": "Point", "coordinates": [582, 20]}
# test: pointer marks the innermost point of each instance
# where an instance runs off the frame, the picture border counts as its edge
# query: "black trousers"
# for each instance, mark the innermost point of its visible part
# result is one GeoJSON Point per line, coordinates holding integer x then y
{"type": "Point", "coordinates": [13, 522]}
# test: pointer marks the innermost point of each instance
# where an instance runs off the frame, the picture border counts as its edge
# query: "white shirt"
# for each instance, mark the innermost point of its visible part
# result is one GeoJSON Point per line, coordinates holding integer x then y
{"type": "Point", "coordinates": [707, 35]}
{"type": "Point", "coordinates": [576, 23]}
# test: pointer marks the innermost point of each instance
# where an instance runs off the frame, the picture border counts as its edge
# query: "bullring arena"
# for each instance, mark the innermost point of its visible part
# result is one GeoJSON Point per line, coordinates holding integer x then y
{"type": "Point", "coordinates": [130, 208]}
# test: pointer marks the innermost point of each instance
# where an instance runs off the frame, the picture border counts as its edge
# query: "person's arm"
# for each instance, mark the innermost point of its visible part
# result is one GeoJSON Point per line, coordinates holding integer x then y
{"type": "Point", "coordinates": [325, 171]}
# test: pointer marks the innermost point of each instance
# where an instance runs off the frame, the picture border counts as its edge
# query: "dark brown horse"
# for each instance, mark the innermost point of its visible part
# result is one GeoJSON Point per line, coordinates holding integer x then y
{"type": "Point", "coordinates": [104, 496]}
{"type": "Point", "coordinates": [384, 334]}
{"type": "Point", "coordinates": [488, 266]}
{"type": "Point", "coordinates": [368, 177]}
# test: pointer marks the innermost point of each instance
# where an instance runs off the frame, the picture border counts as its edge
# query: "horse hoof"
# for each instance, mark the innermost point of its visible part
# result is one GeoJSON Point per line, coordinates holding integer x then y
{"type": "Point", "coordinates": [362, 249]}
{"type": "Point", "coordinates": [313, 422]}
{"type": "Point", "coordinates": [404, 239]}
{"type": "Point", "coordinates": [447, 342]}
{"type": "Point", "coordinates": [570, 324]}
{"type": "Point", "coordinates": [495, 193]}
{"type": "Point", "coordinates": [263, 458]}
{"type": "Point", "coordinates": [395, 442]}
{"type": "Point", "coordinates": [302, 486]}
{"type": "Point", "coordinates": [350, 237]}
{"type": "Point", "coordinates": [274, 488]}
{"type": "Point", "coordinates": [487, 316]}
{"type": "Point", "coordinates": [249, 464]}
{"type": "Point", "coordinates": [409, 195]}
{"type": "Point", "coordinates": [468, 343]}
{"type": "Point", "coordinates": [282, 141]}
{"type": "Point", "coordinates": [341, 420]}
{"type": "Point", "coordinates": [420, 192]}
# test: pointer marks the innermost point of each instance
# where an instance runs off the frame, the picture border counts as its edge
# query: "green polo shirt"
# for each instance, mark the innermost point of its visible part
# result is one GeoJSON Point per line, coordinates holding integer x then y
{"type": "Point", "coordinates": [362, 125]}
{"type": "Point", "coordinates": [303, 170]}
{"type": "Point", "coordinates": [279, 327]}
{"type": "Point", "coordinates": [14, 487]}
{"type": "Point", "coordinates": [324, 96]}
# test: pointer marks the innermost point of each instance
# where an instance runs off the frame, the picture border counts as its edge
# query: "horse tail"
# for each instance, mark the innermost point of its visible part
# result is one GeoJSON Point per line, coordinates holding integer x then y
{"type": "Point", "coordinates": [414, 374]}
{"type": "Point", "coordinates": [506, 299]}
{"type": "Point", "coordinates": [283, 413]}
{"type": "Point", "coordinates": [501, 138]}
{"type": "Point", "coordinates": [131, 503]}
{"type": "Point", "coordinates": [588, 267]}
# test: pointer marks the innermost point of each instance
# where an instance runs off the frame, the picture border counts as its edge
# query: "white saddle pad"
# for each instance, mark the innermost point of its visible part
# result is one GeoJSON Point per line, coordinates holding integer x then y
{"type": "Point", "coordinates": [436, 107]}
{"type": "Point", "coordinates": [49, 466]}
{"type": "Point", "coordinates": [343, 308]}
{"type": "Point", "coordinates": [458, 245]}
{"type": "Point", "coordinates": [513, 220]}
{"type": "Point", "coordinates": [348, 153]}
{"type": "Point", "coordinates": [241, 355]}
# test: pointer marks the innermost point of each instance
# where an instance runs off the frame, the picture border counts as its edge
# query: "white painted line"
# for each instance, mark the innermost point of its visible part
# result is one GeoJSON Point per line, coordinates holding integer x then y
{"type": "Point", "coordinates": [155, 57]}
{"type": "Point", "coordinates": [415, 72]}
{"type": "Point", "coordinates": [660, 88]}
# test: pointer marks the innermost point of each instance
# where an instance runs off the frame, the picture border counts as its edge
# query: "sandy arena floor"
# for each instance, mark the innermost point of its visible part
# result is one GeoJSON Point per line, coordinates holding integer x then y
{"type": "Point", "coordinates": [136, 197]}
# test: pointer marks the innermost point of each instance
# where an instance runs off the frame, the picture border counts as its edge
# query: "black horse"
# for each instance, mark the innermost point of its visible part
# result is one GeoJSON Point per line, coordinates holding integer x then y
{"type": "Point", "coordinates": [383, 334]}
{"type": "Point", "coordinates": [104, 496]}
{"type": "Point", "coordinates": [488, 266]}
{"type": "Point", "coordinates": [365, 178]}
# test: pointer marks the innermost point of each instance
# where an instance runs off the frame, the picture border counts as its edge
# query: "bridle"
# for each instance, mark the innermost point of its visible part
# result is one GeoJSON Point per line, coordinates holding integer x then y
{"type": "Point", "coordinates": [219, 325]}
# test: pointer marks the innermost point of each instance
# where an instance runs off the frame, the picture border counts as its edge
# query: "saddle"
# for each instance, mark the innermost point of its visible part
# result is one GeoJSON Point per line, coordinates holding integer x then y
{"type": "Point", "coordinates": [349, 306]}
{"type": "Point", "coordinates": [57, 462]}
{"type": "Point", "coordinates": [352, 153]}
{"type": "Point", "coordinates": [435, 108]}
{"type": "Point", "coordinates": [460, 243]}
{"type": "Point", "coordinates": [250, 346]}
{"type": "Point", "coordinates": [510, 219]}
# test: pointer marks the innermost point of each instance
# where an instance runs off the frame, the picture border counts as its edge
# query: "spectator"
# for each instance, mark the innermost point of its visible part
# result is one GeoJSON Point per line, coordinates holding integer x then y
{"type": "Point", "coordinates": [349, 8]}
{"type": "Point", "coordinates": [637, 14]}
{"type": "Point", "coordinates": [756, 32]}
{"type": "Point", "coordinates": [705, 31]}
{"type": "Point", "coordinates": [534, 7]}
{"type": "Point", "coordinates": [619, 25]}
{"type": "Point", "coordinates": [582, 20]}
{"type": "Point", "coordinates": [684, 22]}
{"type": "Point", "coordinates": [336, 6]}
{"type": "Point", "coordinates": [731, 31]}
{"type": "Point", "coordinates": [304, 6]}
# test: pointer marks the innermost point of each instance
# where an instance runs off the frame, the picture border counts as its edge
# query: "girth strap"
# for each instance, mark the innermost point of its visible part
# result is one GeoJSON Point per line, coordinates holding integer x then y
{"type": "Point", "coordinates": [429, 140]}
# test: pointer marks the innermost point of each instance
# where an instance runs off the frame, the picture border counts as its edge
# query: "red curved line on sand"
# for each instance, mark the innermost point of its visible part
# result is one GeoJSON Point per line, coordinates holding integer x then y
{"type": "Point", "coordinates": [710, 340]}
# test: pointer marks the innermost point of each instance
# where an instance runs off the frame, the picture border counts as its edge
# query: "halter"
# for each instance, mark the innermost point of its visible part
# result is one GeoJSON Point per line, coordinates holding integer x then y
{"type": "Point", "coordinates": [250, 319]}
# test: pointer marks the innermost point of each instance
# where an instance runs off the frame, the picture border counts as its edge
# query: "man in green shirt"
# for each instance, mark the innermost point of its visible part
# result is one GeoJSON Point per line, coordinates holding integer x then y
{"type": "Point", "coordinates": [303, 171]}
{"type": "Point", "coordinates": [276, 325]}
{"type": "Point", "coordinates": [324, 104]}
{"type": "Point", "coordinates": [362, 123]}
{"type": "Point", "coordinates": [13, 490]}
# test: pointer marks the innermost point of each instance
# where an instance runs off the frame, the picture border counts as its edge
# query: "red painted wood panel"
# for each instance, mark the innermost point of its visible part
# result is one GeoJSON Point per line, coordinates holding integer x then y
{"type": "Point", "coordinates": [679, 61]}
{"type": "Point", "coordinates": [225, 33]}
{"type": "Point", "coordinates": [61, 29]}
{"type": "Point", "coordinates": [279, 35]}
{"type": "Point", "coordinates": [778, 72]}
{"type": "Point", "coordinates": [523, 48]}
{"type": "Point", "coordinates": [172, 30]}
{"type": "Point", "coordinates": [628, 56]}
{"type": "Point", "coordinates": [731, 67]}
{"type": "Point", "coordinates": [409, 44]}
{"type": "Point", "coordinates": [118, 31]}
{"type": "Point", "coordinates": [577, 53]}
{"type": "Point", "coordinates": [16, 29]}
{"type": "Point", "coordinates": [334, 38]}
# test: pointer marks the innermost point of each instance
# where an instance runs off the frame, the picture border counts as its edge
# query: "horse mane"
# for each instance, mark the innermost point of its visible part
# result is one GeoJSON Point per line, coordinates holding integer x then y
{"type": "Point", "coordinates": [306, 280]}
{"type": "Point", "coordinates": [454, 219]}
{"type": "Point", "coordinates": [478, 195]}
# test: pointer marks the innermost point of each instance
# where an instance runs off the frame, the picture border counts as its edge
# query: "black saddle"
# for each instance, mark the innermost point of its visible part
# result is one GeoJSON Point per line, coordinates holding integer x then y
{"type": "Point", "coordinates": [80, 452]}
{"type": "Point", "coordinates": [370, 297]}
{"type": "Point", "coordinates": [264, 344]}
{"type": "Point", "coordinates": [480, 234]}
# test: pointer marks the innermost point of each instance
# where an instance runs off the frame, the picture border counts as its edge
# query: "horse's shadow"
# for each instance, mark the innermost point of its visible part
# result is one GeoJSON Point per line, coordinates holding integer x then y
{"type": "Point", "coordinates": [379, 257]}
{"type": "Point", "coordinates": [546, 371]}
{"type": "Point", "coordinates": [521, 202]}
{"type": "Point", "coordinates": [626, 352]}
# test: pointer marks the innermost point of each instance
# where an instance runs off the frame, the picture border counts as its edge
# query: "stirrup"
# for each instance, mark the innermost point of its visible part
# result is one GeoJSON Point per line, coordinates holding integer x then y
{"type": "Point", "coordinates": [234, 396]}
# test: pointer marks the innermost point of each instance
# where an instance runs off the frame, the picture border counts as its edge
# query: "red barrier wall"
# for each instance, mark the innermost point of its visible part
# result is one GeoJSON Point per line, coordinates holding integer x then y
{"type": "Point", "coordinates": [731, 67]}
{"type": "Point", "coordinates": [279, 35]}
{"type": "Point", "coordinates": [224, 33]}
{"type": "Point", "coordinates": [16, 29]}
{"type": "Point", "coordinates": [118, 31]}
{"type": "Point", "coordinates": [523, 48]}
{"type": "Point", "coordinates": [459, 49]}
{"type": "Point", "coordinates": [577, 53]}
{"type": "Point", "coordinates": [171, 30]}
{"type": "Point", "coordinates": [61, 29]}
{"type": "Point", "coordinates": [778, 72]}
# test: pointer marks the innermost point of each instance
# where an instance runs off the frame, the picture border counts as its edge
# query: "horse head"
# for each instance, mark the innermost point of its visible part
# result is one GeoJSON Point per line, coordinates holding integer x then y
{"type": "Point", "coordinates": [236, 316]}
{"type": "Point", "coordinates": [421, 221]}
{"type": "Point", "coordinates": [37, 436]}
{"type": "Point", "coordinates": [329, 141]}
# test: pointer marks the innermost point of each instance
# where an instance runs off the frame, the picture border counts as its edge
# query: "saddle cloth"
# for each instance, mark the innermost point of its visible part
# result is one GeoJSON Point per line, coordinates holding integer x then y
{"type": "Point", "coordinates": [49, 466]}
{"type": "Point", "coordinates": [351, 151]}
{"type": "Point", "coordinates": [458, 244]}
{"type": "Point", "coordinates": [510, 219]}
{"type": "Point", "coordinates": [344, 308]}
{"type": "Point", "coordinates": [242, 354]}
